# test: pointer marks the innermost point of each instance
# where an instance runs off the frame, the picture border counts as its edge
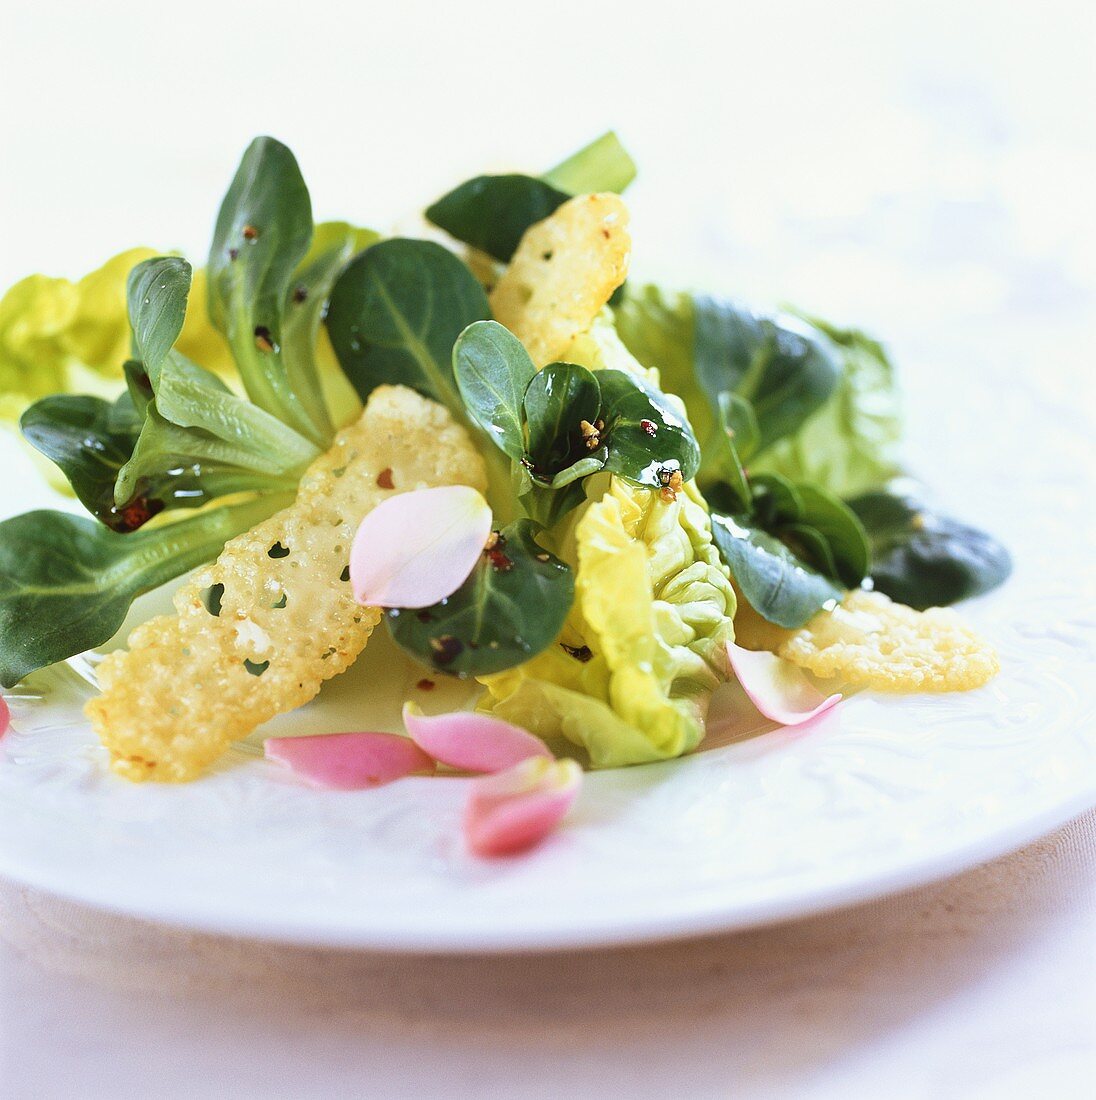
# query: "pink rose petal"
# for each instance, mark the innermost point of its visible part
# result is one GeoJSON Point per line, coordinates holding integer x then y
{"type": "Point", "coordinates": [513, 810]}
{"type": "Point", "coordinates": [471, 742]}
{"type": "Point", "coordinates": [5, 716]}
{"type": "Point", "coordinates": [779, 689]}
{"type": "Point", "coordinates": [349, 761]}
{"type": "Point", "coordinates": [416, 548]}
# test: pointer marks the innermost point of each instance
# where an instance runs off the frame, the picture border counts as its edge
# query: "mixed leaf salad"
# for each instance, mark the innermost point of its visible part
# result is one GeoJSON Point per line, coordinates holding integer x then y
{"type": "Point", "coordinates": [598, 497]}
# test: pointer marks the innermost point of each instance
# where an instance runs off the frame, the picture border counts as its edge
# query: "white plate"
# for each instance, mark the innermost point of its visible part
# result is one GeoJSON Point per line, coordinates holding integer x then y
{"type": "Point", "coordinates": [881, 794]}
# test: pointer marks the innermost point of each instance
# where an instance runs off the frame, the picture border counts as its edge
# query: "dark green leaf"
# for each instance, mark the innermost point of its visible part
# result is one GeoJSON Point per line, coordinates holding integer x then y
{"type": "Point", "coordinates": [512, 606]}
{"type": "Point", "coordinates": [212, 467]}
{"type": "Point", "coordinates": [739, 421]}
{"type": "Point", "coordinates": [192, 397]}
{"type": "Point", "coordinates": [91, 441]}
{"type": "Point", "coordinates": [925, 559]}
{"type": "Point", "coordinates": [156, 296]}
{"type": "Point", "coordinates": [776, 500]}
{"type": "Point", "coordinates": [139, 387]}
{"type": "Point", "coordinates": [492, 213]}
{"type": "Point", "coordinates": [810, 546]}
{"type": "Point", "coordinates": [721, 458]}
{"type": "Point", "coordinates": [493, 370]}
{"type": "Point", "coordinates": [850, 444]}
{"type": "Point", "coordinates": [67, 582]}
{"type": "Point", "coordinates": [76, 433]}
{"type": "Point", "coordinates": [222, 443]}
{"type": "Point", "coordinates": [334, 245]}
{"type": "Point", "coordinates": [395, 314]}
{"type": "Point", "coordinates": [645, 434]}
{"type": "Point", "coordinates": [843, 532]}
{"type": "Point", "coordinates": [773, 580]}
{"type": "Point", "coordinates": [263, 231]}
{"type": "Point", "coordinates": [558, 400]}
{"type": "Point", "coordinates": [778, 365]}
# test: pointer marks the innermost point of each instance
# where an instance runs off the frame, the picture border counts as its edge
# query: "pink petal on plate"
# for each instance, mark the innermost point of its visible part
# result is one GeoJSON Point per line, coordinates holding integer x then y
{"type": "Point", "coordinates": [5, 716]}
{"type": "Point", "coordinates": [779, 689]}
{"type": "Point", "coordinates": [471, 742]}
{"type": "Point", "coordinates": [416, 548]}
{"type": "Point", "coordinates": [349, 761]}
{"type": "Point", "coordinates": [513, 810]}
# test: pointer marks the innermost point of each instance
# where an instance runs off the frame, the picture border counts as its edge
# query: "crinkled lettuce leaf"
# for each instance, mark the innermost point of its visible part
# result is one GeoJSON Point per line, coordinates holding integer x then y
{"type": "Point", "coordinates": [60, 336]}
{"type": "Point", "coordinates": [645, 645]}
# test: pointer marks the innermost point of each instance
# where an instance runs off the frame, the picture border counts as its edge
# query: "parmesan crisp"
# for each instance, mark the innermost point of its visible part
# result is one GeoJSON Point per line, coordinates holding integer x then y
{"type": "Point", "coordinates": [256, 633]}
{"type": "Point", "coordinates": [563, 273]}
{"type": "Point", "coordinates": [871, 641]}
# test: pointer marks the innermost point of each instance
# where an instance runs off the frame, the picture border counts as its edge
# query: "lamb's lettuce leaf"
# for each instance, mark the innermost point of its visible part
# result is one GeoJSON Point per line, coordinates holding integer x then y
{"type": "Point", "coordinates": [492, 213]}
{"type": "Point", "coordinates": [91, 440]}
{"type": "Point", "coordinates": [310, 364]}
{"type": "Point", "coordinates": [510, 607]}
{"type": "Point", "coordinates": [396, 313]}
{"type": "Point", "coordinates": [923, 558]}
{"type": "Point", "coordinates": [66, 582]}
{"type": "Point", "coordinates": [850, 444]}
{"type": "Point", "coordinates": [493, 371]}
{"type": "Point", "coordinates": [263, 231]}
{"type": "Point", "coordinates": [824, 398]}
{"type": "Point", "coordinates": [776, 363]}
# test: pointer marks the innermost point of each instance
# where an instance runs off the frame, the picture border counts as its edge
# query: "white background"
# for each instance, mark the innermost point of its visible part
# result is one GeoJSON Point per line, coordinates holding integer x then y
{"type": "Point", "coordinates": [925, 170]}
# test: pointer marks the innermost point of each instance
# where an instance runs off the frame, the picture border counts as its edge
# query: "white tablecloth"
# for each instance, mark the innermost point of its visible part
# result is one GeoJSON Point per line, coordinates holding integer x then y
{"type": "Point", "coordinates": [982, 986]}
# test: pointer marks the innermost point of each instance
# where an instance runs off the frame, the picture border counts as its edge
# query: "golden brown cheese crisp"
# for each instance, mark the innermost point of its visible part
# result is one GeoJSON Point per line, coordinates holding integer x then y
{"type": "Point", "coordinates": [257, 632]}
{"type": "Point", "coordinates": [871, 641]}
{"type": "Point", "coordinates": [563, 273]}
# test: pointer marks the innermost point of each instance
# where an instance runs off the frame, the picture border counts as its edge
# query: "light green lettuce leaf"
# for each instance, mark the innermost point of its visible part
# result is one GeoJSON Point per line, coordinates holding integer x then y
{"type": "Point", "coordinates": [645, 645]}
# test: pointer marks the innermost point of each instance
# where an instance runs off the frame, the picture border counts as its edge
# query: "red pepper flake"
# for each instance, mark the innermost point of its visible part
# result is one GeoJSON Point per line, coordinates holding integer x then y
{"type": "Point", "coordinates": [250, 233]}
{"type": "Point", "coordinates": [499, 561]}
{"type": "Point", "coordinates": [135, 514]}
{"type": "Point", "coordinates": [446, 649]}
{"type": "Point", "coordinates": [605, 233]}
{"type": "Point", "coordinates": [425, 684]}
{"type": "Point", "coordinates": [649, 426]}
{"type": "Point", "coordinates": [384, 479]}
